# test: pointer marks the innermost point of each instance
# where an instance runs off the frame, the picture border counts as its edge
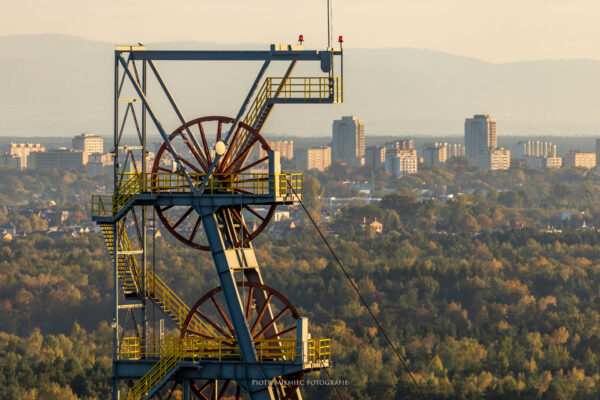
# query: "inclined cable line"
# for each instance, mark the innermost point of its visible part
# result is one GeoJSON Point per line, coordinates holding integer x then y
{"type": "Point", "coordinates": [339, 262]}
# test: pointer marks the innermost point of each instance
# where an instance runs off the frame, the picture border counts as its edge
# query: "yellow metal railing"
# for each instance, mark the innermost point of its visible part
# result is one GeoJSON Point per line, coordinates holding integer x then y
{"type": "Point", "coordinates": [192, 348]}
{"type": "Point", "coordinates": [195, 349]}
{"type": "Point", "coordinates": [158, 291]}
{"type": "Point", "coordinates": [162, 294]}
{"type": "Point", "coordinates": [306, 88]}
{"type": "Point", "coordinates": [172, 304]}
{"type": "Point", "coordinates": [257, 105]}
{"type": "Point", "coordinates": [169, 351]}
{"type": "Point", "coordinates": [303, 88]}
{"type": "Point", "coordinates": [319, 350]}
{"type": "Point", "coordinates": [153, 377]}
{"type": "Point", "coordinates": [127, 279]}
{"type": "Point", "coordinates": [133, 184]}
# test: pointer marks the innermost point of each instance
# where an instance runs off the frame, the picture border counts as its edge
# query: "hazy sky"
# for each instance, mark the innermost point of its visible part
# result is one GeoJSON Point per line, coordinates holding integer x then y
{"type": "Point", "coordinates": [493, 30]}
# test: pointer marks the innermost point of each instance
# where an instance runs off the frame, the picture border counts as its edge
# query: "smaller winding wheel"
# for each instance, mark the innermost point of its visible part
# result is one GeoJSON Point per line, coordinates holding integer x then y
{"type": "Point", "coordinates": [272, 321]}
{"type": "Point", "coordinates": [196, 157]}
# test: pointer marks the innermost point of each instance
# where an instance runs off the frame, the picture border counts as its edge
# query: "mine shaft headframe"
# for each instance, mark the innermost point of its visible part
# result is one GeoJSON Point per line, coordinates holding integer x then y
{"type": "Point", "coordinates": [264, 93]}
{"type": "Point", "coordinates": [288, 89]}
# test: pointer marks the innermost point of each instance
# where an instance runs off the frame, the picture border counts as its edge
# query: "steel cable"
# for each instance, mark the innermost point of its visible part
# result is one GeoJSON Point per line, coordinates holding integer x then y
{"type": "Point", "coordinates": [339, 262]}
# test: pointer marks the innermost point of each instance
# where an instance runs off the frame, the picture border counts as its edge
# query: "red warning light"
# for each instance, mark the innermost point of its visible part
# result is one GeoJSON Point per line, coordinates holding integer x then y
{"type": "Point", "coordinates": [301, 38]}
{"type": "Point", "coordinates": [341, 39]}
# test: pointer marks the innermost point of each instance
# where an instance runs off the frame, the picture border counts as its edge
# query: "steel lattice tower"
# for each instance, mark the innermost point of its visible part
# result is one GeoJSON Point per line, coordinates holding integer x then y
{"type": "Point", "coordinates": [209, 190]}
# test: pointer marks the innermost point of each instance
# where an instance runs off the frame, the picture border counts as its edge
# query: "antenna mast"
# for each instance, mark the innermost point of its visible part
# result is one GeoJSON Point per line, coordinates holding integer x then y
{"type": "Point", "coordinates": [328, 23]}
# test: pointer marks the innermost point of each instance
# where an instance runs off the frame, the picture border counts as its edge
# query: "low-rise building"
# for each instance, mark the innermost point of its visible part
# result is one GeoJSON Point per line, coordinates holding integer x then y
{"type": "Point", "coordinates": [543, 162]}
{"type": "Point", "coordinates": [377, 226]}
{"type": "Point", "coordinates": [577, 159]}
{"type": "Point", "coordinates": [552, 162]}
{"type": "Point", "coordinates": [58, 158]}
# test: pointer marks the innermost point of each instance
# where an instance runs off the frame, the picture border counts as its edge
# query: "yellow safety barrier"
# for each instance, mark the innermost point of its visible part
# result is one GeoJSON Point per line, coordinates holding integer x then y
{"type": "Point", "coordinates": [195, 349]}
{"type": "Point", "coordinates": [132, 184]}
{"type": "Point", "coordinates": [319, 350]}
{"type": "Point", "coordinates": [158, 291]}
{"type": "Point", "coordinates": [153, 377]}
{"type": "Point", "coordinates": [304, 88]}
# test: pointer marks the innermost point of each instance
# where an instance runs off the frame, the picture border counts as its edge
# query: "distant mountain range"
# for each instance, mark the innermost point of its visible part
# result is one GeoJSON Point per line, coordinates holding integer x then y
{"type": "Point", "coordinates": [53, 85]}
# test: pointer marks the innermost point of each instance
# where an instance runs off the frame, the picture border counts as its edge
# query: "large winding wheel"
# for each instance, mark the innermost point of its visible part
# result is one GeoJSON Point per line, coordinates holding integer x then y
{"type": "Point", "coordinates": [240, 157]}
{"type": "Point", "coordinates": [272, 322]}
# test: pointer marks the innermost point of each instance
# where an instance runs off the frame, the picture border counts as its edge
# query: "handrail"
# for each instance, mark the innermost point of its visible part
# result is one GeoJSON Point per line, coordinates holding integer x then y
{"type": "Point", "coordinates": [160, 370]}
{"type": "Point", "coordinates": [305, 88]}
{"type": "Point", "coordinates": [158, 290]}
{"type": "Point", "coordinates": [195, 349]}
{"type": "Point", "coordinates": [172, 182]}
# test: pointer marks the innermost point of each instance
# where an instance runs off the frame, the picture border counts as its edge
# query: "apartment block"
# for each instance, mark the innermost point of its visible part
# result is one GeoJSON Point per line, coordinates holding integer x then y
{"type": "Point", "coordinates": [534, 148]}
{"type": "Point", "coordinates": [375, 157]}
{"type": "Point", "coordinates": [88, 143]}
{"type": "Point", "coordinates": [480, 134]}
{"type": "Point", "coordinates": [401, 162]}
{"type": "Point", "coordinates": [318, 158]}
{"type": "Point", "coordinates": [22, 151]}
{"type": "Point", "coordinates": [348, 143]}
{"type": "Point", "coordinates": [577, 159]}
{"type": "Point", "coordinates": [284, 147]}
{"type": "Point", "coordinates": [493, 159]}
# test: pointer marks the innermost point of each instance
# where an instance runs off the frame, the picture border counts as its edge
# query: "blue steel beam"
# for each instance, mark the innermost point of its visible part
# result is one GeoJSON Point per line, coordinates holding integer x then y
{"type": "Point", "coordinates": [176, 108]}
{"type": "Point", "coordinates": [228, 283]}
{"type": "Point", "coordinates": [215, 369]}
{"type": "Point", "coordinates": [230, 55]}
{"type": "Point", "coordinates": [157, 123]}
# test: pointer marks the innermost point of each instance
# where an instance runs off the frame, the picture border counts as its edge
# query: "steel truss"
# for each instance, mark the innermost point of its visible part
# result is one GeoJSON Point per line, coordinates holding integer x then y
{"type": "Point", "coordinates": [213, 187]}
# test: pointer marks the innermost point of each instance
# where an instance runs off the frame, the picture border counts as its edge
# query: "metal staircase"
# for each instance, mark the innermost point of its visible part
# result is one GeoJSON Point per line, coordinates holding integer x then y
{"type": "Point", "coordinates": [158, 291]}
{"type": "Point", "coordinates": [148, 384]}
{"type": "Point", "coordinates": [125, 272]}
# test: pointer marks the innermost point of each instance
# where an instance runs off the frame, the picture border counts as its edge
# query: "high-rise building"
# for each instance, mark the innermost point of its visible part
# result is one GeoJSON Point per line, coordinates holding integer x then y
{"type": "Point", "coordinates": [375, 157]}
{"type": "Point", "coordinates": [577, 159]}
{"type": "Point", "coordinates": [22, 151]}
{"type": "Point", "coordinates": [493, 159]}
{"type": "Point", "coordinates": [401, 162]}
{"type": "Point", "coordinates": [314, 158]}
{"type": "Point", "coordinates": [439, 153]}
{"type": "Point", "coordinates": [435, 154]}
{"type": "Point", "coordinates": [533, 148]}
{"type": "Point", "coordinates": [88, 143]}
{"type": "Point", "coordinates": [455, 150]}
{"type": "Point", "coordinates": [348, 142]}
{"type": "Point", "coordinates": [284, 147]}
{"type": "Point", "coordinates": [480, 134]}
